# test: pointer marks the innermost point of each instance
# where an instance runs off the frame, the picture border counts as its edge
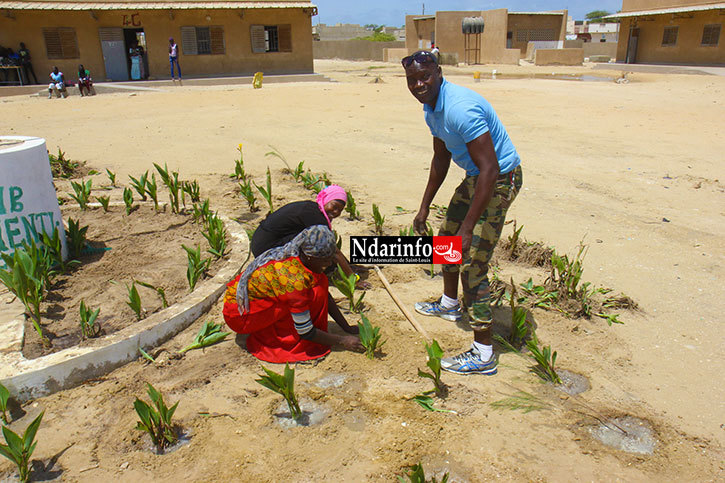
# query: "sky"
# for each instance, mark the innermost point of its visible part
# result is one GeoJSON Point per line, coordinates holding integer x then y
{"type": "Point", "coordinates": [392, 12]}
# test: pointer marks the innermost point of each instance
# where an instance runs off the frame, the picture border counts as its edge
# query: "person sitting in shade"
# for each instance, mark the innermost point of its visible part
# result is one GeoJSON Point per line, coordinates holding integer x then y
{"type": "Point", "coordinates": [281, 301]}
{"type": "Point", "coordinates": [57, 84]}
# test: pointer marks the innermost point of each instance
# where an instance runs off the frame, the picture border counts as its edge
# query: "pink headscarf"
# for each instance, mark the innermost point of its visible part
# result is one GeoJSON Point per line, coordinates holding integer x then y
{"type": "Point", "coordinates": [332, 192]}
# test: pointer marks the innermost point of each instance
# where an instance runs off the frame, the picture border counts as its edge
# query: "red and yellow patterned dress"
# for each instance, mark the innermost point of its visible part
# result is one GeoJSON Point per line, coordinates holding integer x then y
{"type": "Point", "coordinates": [276, 290]}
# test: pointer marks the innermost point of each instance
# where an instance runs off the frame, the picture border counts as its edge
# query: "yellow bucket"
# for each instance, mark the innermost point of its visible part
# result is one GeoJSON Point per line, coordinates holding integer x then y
{"type": "Point", "coordinates": [476, 75]}
{"type": "Point", "coordinates": [257, 82]}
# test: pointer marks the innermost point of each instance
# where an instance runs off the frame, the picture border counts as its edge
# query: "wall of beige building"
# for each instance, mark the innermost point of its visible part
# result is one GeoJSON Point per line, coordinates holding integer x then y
{"type": "Point", "coordinates": [27, 25]}
{"type": "Point", "coordinates": [688, 49]}
{"type": "Point", "coordinates": [353, 49]}
{"type": "Point", "coordinates": [491, 43]}
{"type": "Point", "coordinates": [556, 23]}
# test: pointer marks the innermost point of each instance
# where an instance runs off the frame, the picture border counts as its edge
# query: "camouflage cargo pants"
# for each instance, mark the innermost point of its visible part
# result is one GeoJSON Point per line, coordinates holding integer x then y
{"type": "Point", "coordinates": [474, 269]}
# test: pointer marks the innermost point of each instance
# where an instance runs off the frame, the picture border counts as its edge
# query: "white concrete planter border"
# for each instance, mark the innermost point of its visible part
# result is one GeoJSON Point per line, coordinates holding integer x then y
{"type": "Point", "coordinates": [32, 378]}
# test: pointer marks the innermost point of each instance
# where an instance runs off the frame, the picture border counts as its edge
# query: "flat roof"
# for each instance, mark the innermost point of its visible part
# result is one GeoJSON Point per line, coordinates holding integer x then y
{"type": "Point", "coordinates": [665, 11]}
{"type": "Point", "coordinates": [536, 13]}
{"type": "Point", "coordinates": [148, 5]}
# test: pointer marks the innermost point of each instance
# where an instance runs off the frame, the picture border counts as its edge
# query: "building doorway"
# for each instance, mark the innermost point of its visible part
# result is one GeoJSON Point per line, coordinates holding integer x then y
{"type": "Point", "coordinates": [632, 46]}
{"type": "Point", "coordinates": [136, 58]}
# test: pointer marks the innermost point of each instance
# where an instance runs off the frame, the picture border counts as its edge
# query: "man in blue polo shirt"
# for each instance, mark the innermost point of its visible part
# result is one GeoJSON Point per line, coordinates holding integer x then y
{"type": "Point", "coordinates": [466, 129]}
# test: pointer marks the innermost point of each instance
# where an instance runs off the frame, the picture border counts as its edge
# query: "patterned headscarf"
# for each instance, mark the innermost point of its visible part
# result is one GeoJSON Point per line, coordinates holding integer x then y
{"type": "Point", "coordinates": [332, 192]}
{"type": "Point", "coordinates": [316, 241]}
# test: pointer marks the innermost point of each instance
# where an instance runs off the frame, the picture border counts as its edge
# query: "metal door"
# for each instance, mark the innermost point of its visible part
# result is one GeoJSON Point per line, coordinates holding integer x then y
{"type": "Point", "coordinates": [114, 53]}
{"type": "Point", "coordinates": [632, 46]}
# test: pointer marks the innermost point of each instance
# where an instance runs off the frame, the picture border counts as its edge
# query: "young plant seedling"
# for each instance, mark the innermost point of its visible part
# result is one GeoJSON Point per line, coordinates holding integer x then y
{"type": "Point", "coordinates": [215, 233]}
{"type": "Point", "coordinates": [543, 297]}
{"type": "Point", "coordinates": [351, 207]}
{"type": "Point", "coordinates": [4, 397]}
{"type": "Point", "coordinates": [140, 184]}
{"type": "Point", "coordinates": [152, 189]}
{"type": "Point", "coordinates": [346, 285]}
{"type": "Point", "coordinates": [61, 166]}
{"type": "Point", "coordinates": [19, 450]}
{"type": "Point", "coordinates": [298, 171]}
{"type": "Point", "coordinates": [519, 325]}
{"type": "Point", "coordinates": [566, 274]}
{"type": "Point", "coordinates": [545, 359]}
{"type": "Point", "coordinates": [369, 337]}
{"type": "Point", "coordinates": [76, 237]}
{"type": "Point", "coordinates": [209, 334]}
{"type": "Point", "coordinates": [610, 318]}
{"type": "Point", "coordinates": [159, 291]}
{"type": "Point", "coordinates": [513, 239]}
{"type": "Point", "coordinates": [156, 419]}
{"type": "Point", "coordinates": [89, 328]}
{"type": "Point", "coordinates": [267, 193]}
{"type": "Point", "coordinates": [104, 200]}
{"type": "Point", "coordinates": [134, 300]}
{"type": "Point", "coordinates": [415, 474]}
{"type": "Point", "coordinates": [128, 200]}
{"type": "Point", "coordinates": [427, 402]}
{"type": "Point", "coordinates": [196, 267]}
{"type": "Point", "coordinates": [111, 177]}
{"type": "Point", "coordinates": [434, 364]}
{"type": "Point", "coordinates": [82, 193]}
{"type": "Point", "coordinates": [201, 211]}
{"type": "Point", "coordinates": [239, 173]}
{"type": "Point", "coordinates": [284, 385]}
{"type": "Point", "coordinates": [146, 355]}
{"type": "Point", "coordinates": [245, 188]}
{"type": "Point", "coordinates": [54, 246]}
{"type": "Point", "coordinates": [378, 219]}
{"type": "Point", "coordinates": [20, 279]}
{"type": "Point", "coordinates": [171, 180]}
{"type": "Point", "coordinates": [192, 189]}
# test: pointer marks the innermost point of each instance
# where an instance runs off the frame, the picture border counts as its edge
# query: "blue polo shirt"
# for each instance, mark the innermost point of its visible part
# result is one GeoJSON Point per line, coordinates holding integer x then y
{"type": "Point", "coordinates": [460, 116]}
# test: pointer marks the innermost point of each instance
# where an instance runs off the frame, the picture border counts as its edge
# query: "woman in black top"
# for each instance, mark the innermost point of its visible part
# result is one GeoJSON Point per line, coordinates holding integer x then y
{"type": "Point", "coordinates": [283, 225]}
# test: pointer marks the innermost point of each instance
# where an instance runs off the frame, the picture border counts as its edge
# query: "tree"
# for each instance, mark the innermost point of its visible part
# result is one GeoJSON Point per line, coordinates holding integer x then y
{"type": "Point", "coordinates": [597, 16]}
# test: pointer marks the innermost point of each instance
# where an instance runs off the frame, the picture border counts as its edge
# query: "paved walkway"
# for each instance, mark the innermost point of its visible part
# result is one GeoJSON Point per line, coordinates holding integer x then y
{"type": "Point", "coordinates": [663, 69]}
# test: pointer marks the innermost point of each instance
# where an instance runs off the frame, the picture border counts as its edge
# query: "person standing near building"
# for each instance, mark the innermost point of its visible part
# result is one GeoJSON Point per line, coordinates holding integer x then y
{"type": "Point", "coordinates": [26, 64]}
{"type": "Point", "coordinates": [174, 58]}
{"type": "Point", "coordinates": [466, 129]}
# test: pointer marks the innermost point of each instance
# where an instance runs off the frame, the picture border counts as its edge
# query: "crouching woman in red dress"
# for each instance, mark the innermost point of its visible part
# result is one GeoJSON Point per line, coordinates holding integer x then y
{"type": "Point", "coordinates": [281, 301]}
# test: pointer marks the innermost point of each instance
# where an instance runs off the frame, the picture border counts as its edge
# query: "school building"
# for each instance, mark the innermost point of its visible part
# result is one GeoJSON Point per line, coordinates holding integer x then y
{"type": "Point", "coordinates": [213, 37]}
{"type": "Point", "coordinates": [489, 36]}
{"type": "Point", "coordinates": [671, 32]}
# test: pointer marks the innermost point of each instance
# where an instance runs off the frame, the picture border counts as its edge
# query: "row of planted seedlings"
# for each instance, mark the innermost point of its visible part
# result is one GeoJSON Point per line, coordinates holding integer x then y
{"type": "Point", "coordinates": [30, 271]}
{"type": "Point", "coordinates": [314, 182]}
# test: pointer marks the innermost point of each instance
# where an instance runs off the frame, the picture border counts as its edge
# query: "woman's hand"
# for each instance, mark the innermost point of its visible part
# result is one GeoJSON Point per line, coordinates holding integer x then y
{"type": "Point", "coordinates": [351, 329]}
{"type": "Point", "coordinates": [351, 343]}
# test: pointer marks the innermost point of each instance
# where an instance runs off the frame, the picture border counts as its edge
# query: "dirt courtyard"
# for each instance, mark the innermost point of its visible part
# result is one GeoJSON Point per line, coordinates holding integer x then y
{"type": "Point", "coordinates": [635, 170]}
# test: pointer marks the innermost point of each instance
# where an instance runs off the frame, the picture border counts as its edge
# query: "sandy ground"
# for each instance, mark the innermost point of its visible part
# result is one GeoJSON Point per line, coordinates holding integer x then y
{"type": "Point", "coordinates": [635, 170]}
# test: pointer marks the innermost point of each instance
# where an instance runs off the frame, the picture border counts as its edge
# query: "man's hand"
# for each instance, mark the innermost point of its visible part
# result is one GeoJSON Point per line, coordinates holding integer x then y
{"type": "Point", "coordinates": [352, 343]}
{"type": "Point", "coordinates": [466, 239]}
{"type": "Point", "coordinates": [419, 222]}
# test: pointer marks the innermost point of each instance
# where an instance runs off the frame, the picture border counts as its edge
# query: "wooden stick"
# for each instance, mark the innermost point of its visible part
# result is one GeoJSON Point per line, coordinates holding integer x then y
{"type": "Point", "coordinates": [416, 325]}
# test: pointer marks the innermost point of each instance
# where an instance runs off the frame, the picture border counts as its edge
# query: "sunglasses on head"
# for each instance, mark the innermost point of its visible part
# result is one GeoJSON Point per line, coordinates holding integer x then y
{"type": "Point", "coordinates": [421, 57]}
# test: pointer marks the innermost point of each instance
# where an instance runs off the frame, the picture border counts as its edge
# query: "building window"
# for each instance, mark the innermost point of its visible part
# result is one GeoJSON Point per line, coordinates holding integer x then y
{"type": "Point", "coordinates": [711, 35]}
{"type": "Point", "coordinates": [669, 38]}
{"type": "Point", "coordinates": [271, 38]}
{"type": "Point", "coordinates": [202, 40]}
{"type": "Point", "coordinates": [61, 43]}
